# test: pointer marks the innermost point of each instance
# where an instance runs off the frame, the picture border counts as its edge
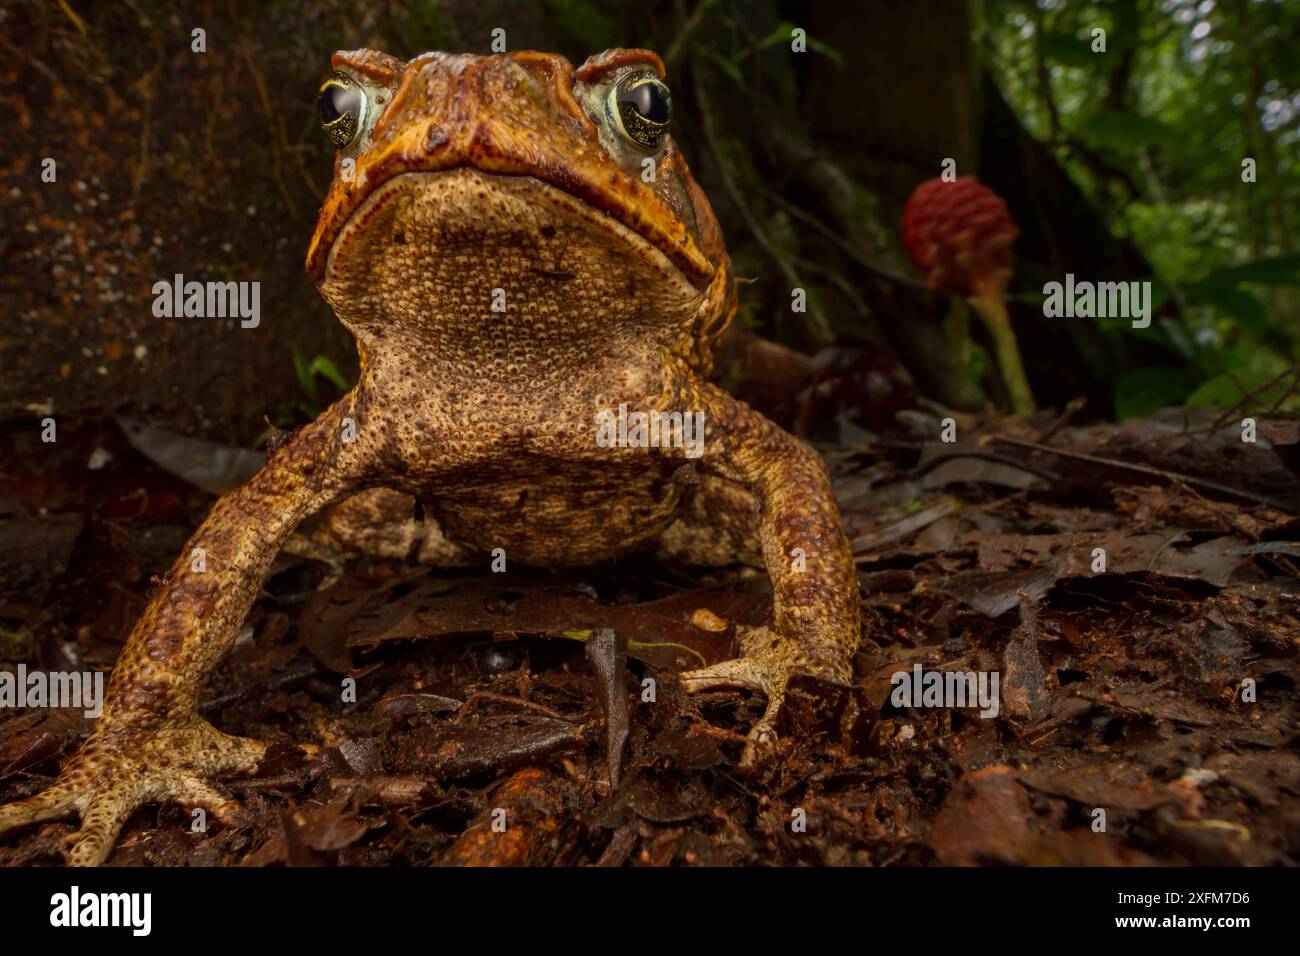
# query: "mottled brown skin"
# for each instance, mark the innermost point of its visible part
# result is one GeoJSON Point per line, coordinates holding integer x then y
{"type": "Point", "coordinates": [474, 174]}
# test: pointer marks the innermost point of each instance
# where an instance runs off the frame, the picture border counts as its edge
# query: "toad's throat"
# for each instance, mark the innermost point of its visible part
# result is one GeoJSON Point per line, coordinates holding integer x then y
{"type": "Point", "coordinates": [471, 262]}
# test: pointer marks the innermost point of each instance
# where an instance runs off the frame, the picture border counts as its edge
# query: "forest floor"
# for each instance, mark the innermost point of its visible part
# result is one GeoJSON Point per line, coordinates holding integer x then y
{"type": "Point", "coordinates": [1148, 704]}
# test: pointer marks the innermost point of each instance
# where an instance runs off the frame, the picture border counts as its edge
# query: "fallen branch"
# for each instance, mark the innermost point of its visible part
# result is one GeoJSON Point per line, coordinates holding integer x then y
{"type": "Point", "coordinates": [1171, 476]}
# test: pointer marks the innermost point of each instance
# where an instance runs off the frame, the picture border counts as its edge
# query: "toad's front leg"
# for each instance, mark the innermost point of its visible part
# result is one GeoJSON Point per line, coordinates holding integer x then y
{"type": "Point", "coordinates": [150, 744]}
{"type": "Point", "coordinates": [815, 627]}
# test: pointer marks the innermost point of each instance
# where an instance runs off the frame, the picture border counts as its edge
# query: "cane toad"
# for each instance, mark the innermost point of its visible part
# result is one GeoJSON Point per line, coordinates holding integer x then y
{"type": "Point", "coordinates": [523, 258]}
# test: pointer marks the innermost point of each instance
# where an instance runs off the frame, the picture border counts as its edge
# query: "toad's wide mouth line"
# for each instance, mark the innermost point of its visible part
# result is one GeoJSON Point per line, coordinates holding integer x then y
{"type": "Point", "coordinates": [566, 204]}
{"type": "Point", "coordinates": [602, 205]}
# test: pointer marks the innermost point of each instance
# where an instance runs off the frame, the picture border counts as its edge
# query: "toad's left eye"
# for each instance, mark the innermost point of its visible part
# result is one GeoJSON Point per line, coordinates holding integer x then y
{"type": "Point", "coordinates": [642, 108]}
{"type": "Point", "coordinates": [342, 108]}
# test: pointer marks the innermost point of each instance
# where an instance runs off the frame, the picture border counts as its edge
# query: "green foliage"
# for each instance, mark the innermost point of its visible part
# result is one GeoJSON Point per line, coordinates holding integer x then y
{"type": "Point", "coordinates": [1067, 49]}
{"type": "Point", "coordinates": [1118, 130]}
{"type": "Point", "coordinates": [785, 30]}
{"type": "Point", "coordinates": [1155, 130]}
{"type": "Point", "coordinates": [585, 22]}
{"type": "Point", "coordinates": [322, 366]}
{"type": "Point", "coordinates": [427, 27]}
{"type": "Point", "coordinates": [1259, 376]}
{"type": "Point", "coordinates": [735, 46]}
{"type": "Point", "coordinates": [1142, 391]}
{"type": "Point", "coordinates": [309, 375]}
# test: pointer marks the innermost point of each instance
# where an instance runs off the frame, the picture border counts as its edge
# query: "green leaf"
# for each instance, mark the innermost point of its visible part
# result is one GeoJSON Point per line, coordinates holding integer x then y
{"type": "Point", "coordinates": [728, 68]}
{"type": "Point", "coordinates": [826, 50]}
{"type": "Point", "coordinates": [1272, 270]}
{"type": "Point", "coordinates": [583, 20]}
{"type": "Point", "coordinates": [321, 366]}
{"type": "Point", "coordinates": [1232, 301]}
{"type": "Point", "coordinates": [1220, 392]}
{"type": "Point", "coordinates": [783, 34]}
{"type": "Point", "coordinates": [1249, 368]}
{"type": "Point", "coordinates": [1145, 390]}
{"type": "Point", "coordinates": [324, 366]}
{"type": "Point", "coordinates": [1160, 292]}
{"type": "Point", "coordinates": [1120, 130]}
{"type": "Point", "coordinates": [306, 381]}
{"type": "Point", "coordinates": [1068, 49]}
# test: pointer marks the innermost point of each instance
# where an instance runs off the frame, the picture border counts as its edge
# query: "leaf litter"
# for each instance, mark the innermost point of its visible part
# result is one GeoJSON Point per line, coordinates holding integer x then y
{"type": "Point", "coordinates": [1147, 710]}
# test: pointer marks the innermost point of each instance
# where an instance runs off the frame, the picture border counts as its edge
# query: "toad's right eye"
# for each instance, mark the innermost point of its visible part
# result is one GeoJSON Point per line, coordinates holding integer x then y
{"type": "Point", "coordinates": [641, 108]}
{"type": "Point", "coordinates": [342, 108]}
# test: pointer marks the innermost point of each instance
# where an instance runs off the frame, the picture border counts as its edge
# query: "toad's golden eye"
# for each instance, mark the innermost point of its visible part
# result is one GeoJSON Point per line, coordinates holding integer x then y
{"type": "Point", "coordinates": [641, 108]}
{"type": "Point", "coordinates": [342, 108]}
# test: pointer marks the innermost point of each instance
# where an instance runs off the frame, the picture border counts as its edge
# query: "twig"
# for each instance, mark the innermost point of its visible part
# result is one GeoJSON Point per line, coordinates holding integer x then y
{"type": "Point", "coordinates": [512, 701]}
{"type": "Point", "coordinates": [145, 88]}
{"type": "Point", "coordinates": [846, 247]}
{"type": "Point", "coordinates": [815, 326]}
{"type": "Point", "coordinates": [903, 529]}
{"type": "Point", "coordinates": [290, 779]}
{"type": "Point", "coordinates": [718, 733]}
{"type": "Point", "coordinates": [76, 20]}
{"type": "Point", "coordinates": [1044, 78]}
{"type": "Point", "coordinates": [277, 137]}
{"type": "Point", "coordinates": [18, 54]}
{"type": "Point", "coordinates": [1247, 396]}
{"type": "Point", "coordinates": [280, 680]}
{"type": "Point", "coordinates": [983, 456]}
{"type": "Point", "coordinates": [674, 55]}
{"type": "Point", "coordinates": [1147, 470]}
{"type": "Point", "coordinates": [1072, 408]}
{"type": "Point", "coordinates": [837, 280]}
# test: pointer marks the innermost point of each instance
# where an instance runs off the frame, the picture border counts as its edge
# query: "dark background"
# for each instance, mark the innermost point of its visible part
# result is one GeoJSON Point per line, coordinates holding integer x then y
{"type": "Point", "coordinates": [1123, 165]}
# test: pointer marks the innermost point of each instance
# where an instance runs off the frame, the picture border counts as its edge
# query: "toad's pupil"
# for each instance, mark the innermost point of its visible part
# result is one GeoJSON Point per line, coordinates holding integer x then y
{"type": "Point", "coordinates": [336, 102]}
{"type": "Point", "coordinates": [648, 99]}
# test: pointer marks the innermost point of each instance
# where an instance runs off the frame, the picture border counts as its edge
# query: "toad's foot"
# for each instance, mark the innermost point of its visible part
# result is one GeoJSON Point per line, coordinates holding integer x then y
{"type": "Point", "coordinates": [767, 663]}
{"type": "Point", "coordinates": [148, 745]}
{"type": "Point", "coordinates": [121, 768]}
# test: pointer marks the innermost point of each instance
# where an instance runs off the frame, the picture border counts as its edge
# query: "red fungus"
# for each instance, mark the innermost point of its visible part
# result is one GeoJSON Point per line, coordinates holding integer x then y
{"type": "Point", "coordinates": [959, 234]}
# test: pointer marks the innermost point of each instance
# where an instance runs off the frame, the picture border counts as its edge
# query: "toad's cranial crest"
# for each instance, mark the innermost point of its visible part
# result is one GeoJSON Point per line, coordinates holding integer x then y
{"type": "Point", "coordinates": [518, 247]}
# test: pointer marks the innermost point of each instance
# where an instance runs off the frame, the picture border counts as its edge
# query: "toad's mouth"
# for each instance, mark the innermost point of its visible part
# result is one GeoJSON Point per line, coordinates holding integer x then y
{"type": "Point", "coordinates": [606, 205]}
{"type": "Point", "coordinates": [455, 247]}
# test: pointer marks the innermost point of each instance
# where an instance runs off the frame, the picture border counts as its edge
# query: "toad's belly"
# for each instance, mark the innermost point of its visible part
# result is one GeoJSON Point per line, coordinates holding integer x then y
{"type": "Point", "coordinates": [569, 515]}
